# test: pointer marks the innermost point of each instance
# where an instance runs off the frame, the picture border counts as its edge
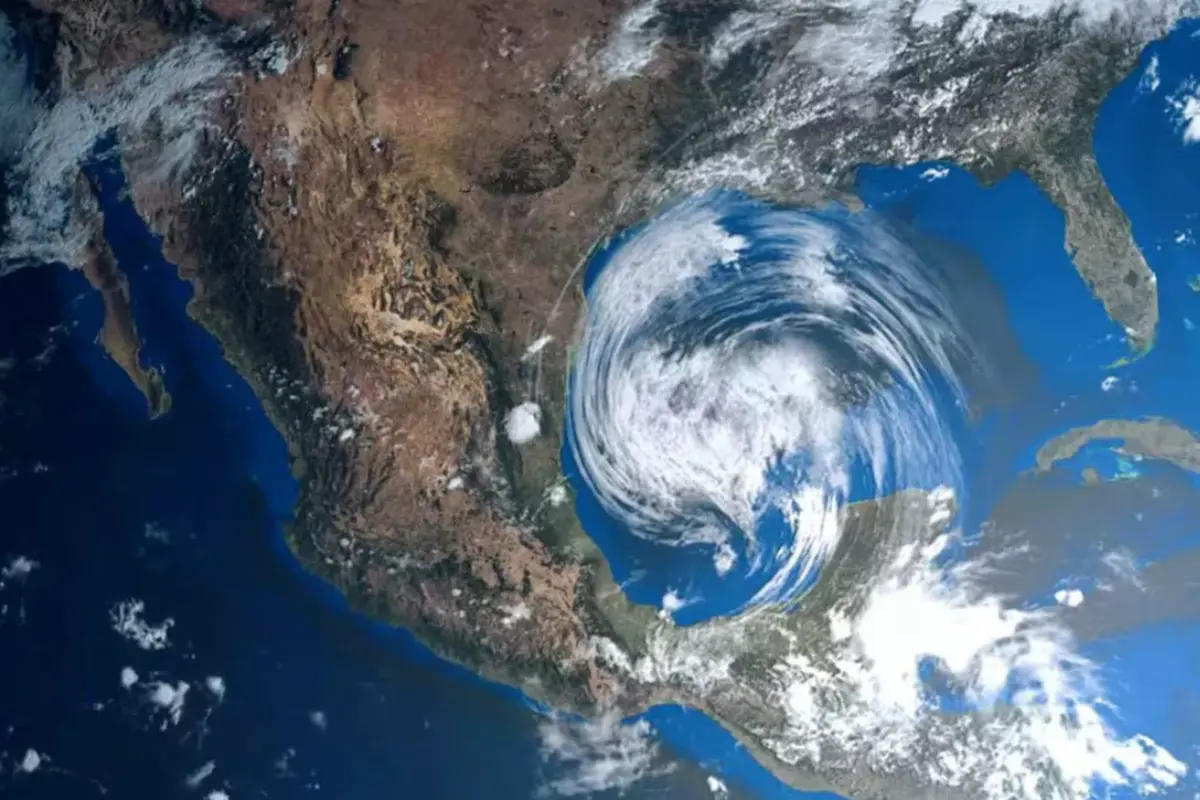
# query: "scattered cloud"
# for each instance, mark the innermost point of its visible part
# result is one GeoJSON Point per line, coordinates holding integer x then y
{"type": "Point", "coordinates": [17, 569]}
{"type": "Point", "coordinates": [524, 423]}
{"type": "Point", "coordinates": [585, 757]}
{"type": "Point", "coordinates": [1185, 105]}
{"type": "Point", "coordinates": [169, 700]}
{"type": "Point", "coordinates": [632, 46]}
{"type": "Point", "coordinates": [31, 761]}
{"type": "Point", "coordinates": [197, 777]}
{"type": "Point", "coordinates": [127, 620]}
{"type": "Point", "coordinates": [216, 686]}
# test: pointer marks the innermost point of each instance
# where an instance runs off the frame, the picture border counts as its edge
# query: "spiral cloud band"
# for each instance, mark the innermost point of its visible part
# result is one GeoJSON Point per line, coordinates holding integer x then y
{"type": "Point", "coordinates": [746, 372]}
{"type": "Point", "coordinates": [744, 363]}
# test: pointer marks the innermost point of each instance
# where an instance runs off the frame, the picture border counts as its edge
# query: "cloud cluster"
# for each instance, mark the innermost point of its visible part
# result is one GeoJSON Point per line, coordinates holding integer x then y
{"type": "Point", "coordinates": [45, 143]}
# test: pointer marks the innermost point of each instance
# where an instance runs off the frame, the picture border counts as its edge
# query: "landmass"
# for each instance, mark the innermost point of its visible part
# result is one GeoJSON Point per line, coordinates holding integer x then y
{"type": "Point", "coordinates": [1044, 529]}
{"type": "Point", "coordinates": [1154, 437]}
{"type": "Point", "coordinates": [1020, 95]}
{"type": "Point", "coordinates": [118, 333]}
{"type": "Point", "coordinates": [384, 207]}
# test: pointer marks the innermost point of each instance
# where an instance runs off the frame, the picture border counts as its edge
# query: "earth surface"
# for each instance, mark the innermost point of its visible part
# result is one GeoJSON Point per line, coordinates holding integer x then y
{"type": "Point", "coordinates": [684, 398]}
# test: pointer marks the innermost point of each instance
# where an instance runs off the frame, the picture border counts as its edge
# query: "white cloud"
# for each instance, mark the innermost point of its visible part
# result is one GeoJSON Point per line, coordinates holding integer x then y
{"type": "Point", "coordinates": [1056, 703]}
{"type": "Point", "coordinates": [31, 761]}
{"type": "Point", "coordinates": [632, 46]}
{"type": "Point", "coordinates": [127, 620]}
{"type": "Point", "coordinates": [156, 533]}
{"type": "Point", "coordinates": [538, 345]}
{"type": "Point", "coordinates": [671, 602]}
{"type": "Point", "coordinates": [1150, 80]}
{"type": "Point", "coordinates": [743, 28]}
{"type": "Point", "coordinates": [169, 699]}
{"type": "Point", "coordinates": [524, 423]}
{"type": "Point", "coordinates": [935, 12]}
{"type": "Point", "coordinates": [1186, 105]}
{"type": "Point", "coordinates": [1071, 598]}
{"type": "Point", "coordinates": [557, 495]}
{"type": "Point", "coordinates": [514, 614]}
{"type": "Point", "coordinates": [18, 568]}
{"type": "Point", "coordinates": [864, 40]}
{"type": "Point", "coordinates": [604, 754]}
{"type": "Point", "coordinates": [1124, 567]}
{"type": "Point", "coordinates": [860, 701]}
{"type": "Point", "coordinates": [18, 104]}
{"type": "Point", "coordinates": [216, 686]}
{"type": "Point", "coordinates": [724, 558]}
{"type": "Point", "coordinates": [194, 779]}
{"type": "Point", "coordinates": [51, 141]}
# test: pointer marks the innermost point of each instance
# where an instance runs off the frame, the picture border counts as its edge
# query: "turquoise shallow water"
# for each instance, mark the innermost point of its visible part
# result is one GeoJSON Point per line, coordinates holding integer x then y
{"type": "Point", "coordinates": [83, 473]}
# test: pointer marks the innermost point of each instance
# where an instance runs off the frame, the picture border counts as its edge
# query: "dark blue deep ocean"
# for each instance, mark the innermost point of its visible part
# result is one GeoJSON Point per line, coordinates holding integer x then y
{"type": "Point", "coordinates": [183, 512]}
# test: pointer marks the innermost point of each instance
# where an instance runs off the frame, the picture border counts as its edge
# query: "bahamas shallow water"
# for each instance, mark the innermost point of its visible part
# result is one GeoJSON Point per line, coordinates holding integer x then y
{"type": "Point", "coordinates": [183, 513]}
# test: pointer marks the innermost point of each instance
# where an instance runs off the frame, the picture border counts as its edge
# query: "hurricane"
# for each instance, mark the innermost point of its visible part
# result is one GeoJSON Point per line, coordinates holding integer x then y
{"type": "Point", "coordinates": [788, 391]}
{"type": "Point", "coordinates": [746, 371]}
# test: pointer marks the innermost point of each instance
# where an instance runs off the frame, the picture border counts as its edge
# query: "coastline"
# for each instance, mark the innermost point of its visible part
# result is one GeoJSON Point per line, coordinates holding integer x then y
{"type": "Point", "coordinates": [517, 688]}
{"type": "Point", "coordinates": [567, 543]}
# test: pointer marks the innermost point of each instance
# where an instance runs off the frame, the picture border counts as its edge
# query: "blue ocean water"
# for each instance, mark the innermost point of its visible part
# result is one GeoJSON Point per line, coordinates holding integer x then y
{"type": "Point", "coordinates": [183, 512]}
